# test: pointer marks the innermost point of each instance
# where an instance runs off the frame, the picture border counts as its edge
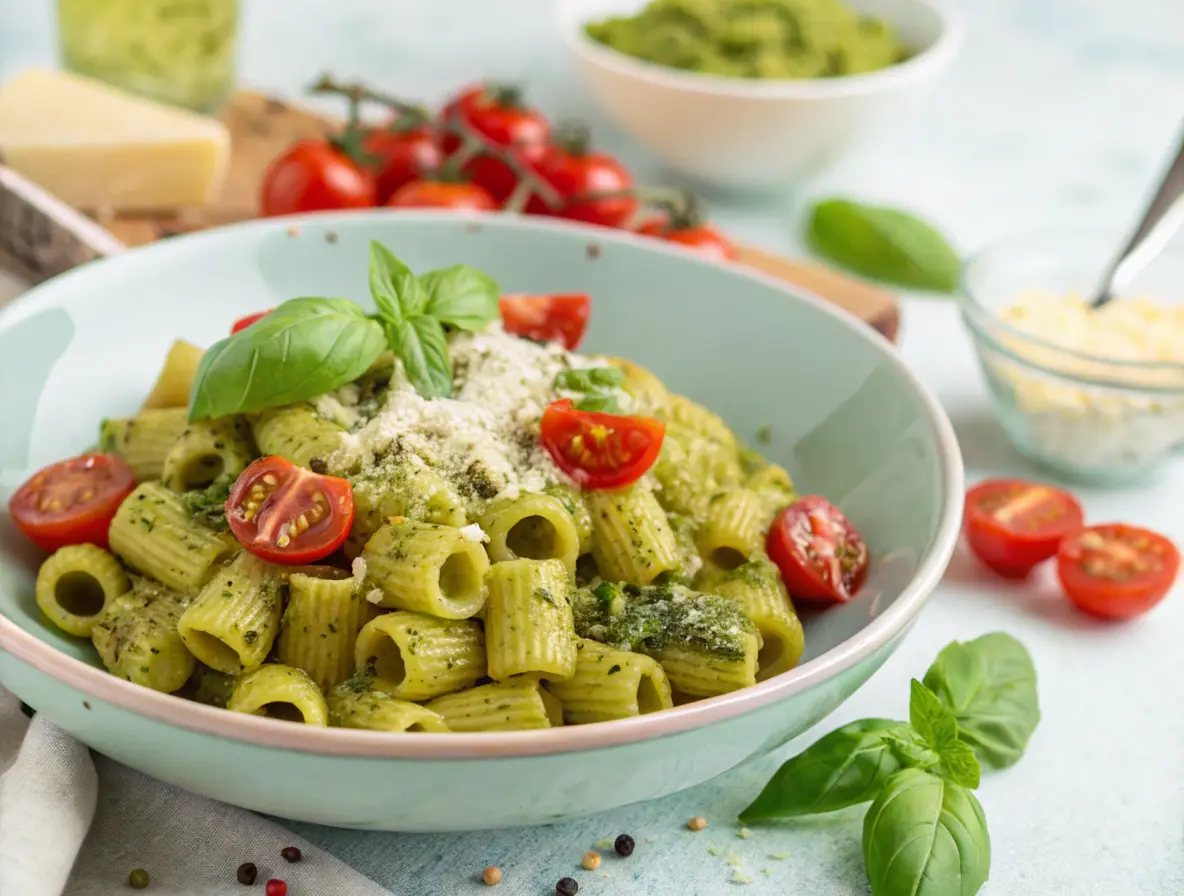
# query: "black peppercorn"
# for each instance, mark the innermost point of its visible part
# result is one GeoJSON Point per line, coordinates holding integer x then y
{"type": "Point", "coordinates": [291, 854]}
{"type": "Point", "coordinates": [139, 879]}
{"type": "Point", "coordinates": [624, 846]}
{"type": "Point", "coordinates": [567, 887]}
{"type": "Point", "coordinates": [247, 873]}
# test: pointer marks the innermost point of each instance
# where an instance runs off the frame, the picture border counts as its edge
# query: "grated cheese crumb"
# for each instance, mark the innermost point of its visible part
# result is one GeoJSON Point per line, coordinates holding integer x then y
{"type": "Point", "coordinates": [358, 568]}
{"type": "Point", "coordinates": [744, 833]}
{"type": "Point", "coordinates": [605, 844]}
{"type": "Point", "coordinates": [779, 856]}
{"type": "Point", "coordinates": [474, 533]}
{"type": "Point", "coordinates": [714, 850]}
{"type": "Point", "coordinates": [374, 595]}
{"type": "Point", "coordinates": [739, 877]}
{"type": "Point", "coordinates": [733, 859]}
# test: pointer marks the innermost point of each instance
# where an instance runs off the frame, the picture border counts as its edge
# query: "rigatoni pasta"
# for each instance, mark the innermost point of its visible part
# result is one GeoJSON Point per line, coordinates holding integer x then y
{"type": "Point", "coordinates": [632, 538]}
{"type": "Point", "coordinates": [528, 620]}
{"type": "Point", "coordinates": [362, 703]}
{"type": "Point", "coordinates": [144, 440]}
{"type": "Point", "coordinates": [519, 705]}
{"type": "Point", "coordinates": [320, 625]}
{"type": "Point", "coordinates": [609, 683]}
{"type": "Point", "coordinates": [280, 692]}
{"type": "Point", "coordinates": [76, 584]}
{"type": "Point", "coordinates": [137, 639]}
{"type": "Point", "coordinates": [425, 567]}
{"type": "Point", "coordinates": [413, 656]}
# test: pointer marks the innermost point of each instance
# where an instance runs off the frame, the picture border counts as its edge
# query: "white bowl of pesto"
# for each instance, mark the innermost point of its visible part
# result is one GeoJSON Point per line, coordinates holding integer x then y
{"type": "Point", "coordinates": [172, 618]}
{"type": "Point", "coordinates": [783, 92]}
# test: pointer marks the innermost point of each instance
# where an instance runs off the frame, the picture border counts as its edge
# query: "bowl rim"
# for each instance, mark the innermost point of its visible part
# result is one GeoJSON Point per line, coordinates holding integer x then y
{"type": "Point", "coordinates": [985, 324]}
{"type": "Point", "coordinates": [924, 63]}
{"type": "Point", "coordinates": [259, 731]}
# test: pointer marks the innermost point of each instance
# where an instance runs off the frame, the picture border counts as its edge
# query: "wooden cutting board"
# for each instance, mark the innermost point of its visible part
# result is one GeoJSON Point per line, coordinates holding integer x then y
{"type": "Point", "coordinates": [261, 126]}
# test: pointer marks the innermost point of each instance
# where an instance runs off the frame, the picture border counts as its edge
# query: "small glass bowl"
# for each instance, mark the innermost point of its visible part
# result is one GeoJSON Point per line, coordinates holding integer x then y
{"type": "Point", "coordinates": [1084, 416]}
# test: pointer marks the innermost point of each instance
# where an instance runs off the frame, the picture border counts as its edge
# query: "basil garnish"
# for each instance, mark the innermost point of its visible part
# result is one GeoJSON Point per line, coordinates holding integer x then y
{"type": "Point", "coordinates": [590, 380]}
{"type": "Point", "coordinates": [925, 833]}
{"type": "Point", "coordinates": [309, 346]}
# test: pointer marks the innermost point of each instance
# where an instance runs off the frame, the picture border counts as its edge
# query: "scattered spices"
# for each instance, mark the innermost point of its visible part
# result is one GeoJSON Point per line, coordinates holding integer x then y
{"type": "Point", "coordinates": [744, 833]}
{"type": "Point", "coordinates": [697, 823]}
{"type": "Point", "coordinates": [247, 873]}
{"type": "Point", "coordinates": [778, 856]}
{"type": "Point", "coordinates": [330, 236]}
{"type": "Point", "coordinates": [291, 854]}
{"type": "Point", "coordinates": [735, 860]}
{"type": "Point", "coordinates": [566, 886]}
{"type": "Point", "coordinates": [624, 846]}
{"type": "Point", "coordinates": [276, 888]}
{"type": "Point", "coordinates": [492, 875]}
{"type": "Point", "coordinates": [713, 850]}
{"type": "Point", "coordinates": [604, 844]}
{"type": "Point", "coordinates": [739, 877]}
{"type": "Point", "coordinates": [651, 838]}
{"type": "Point", "coordinates": [138, 879]}
{"type": "Point", "coordinates": [293, 230]}
{"type": "Point", "coordinates": [591, 860]}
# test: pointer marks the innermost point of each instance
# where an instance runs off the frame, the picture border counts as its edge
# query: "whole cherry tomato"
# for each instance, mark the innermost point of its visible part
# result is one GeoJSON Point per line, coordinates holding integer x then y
{"type": "Point", "coordinates": [700, 238]}
{"type": "Point", "coordinates": [72, 501]}
{"type": "Point", "coordinates": [1117, 571]}
{"type": "Point", "coordinates": [1012, 525]}
{"type": "Point", "coordinates": [574, 171]}
{"type": "Point", "coordinates": [315, 175]}
{"type": "Point", "coordinates": [442, 194]}
{"type": "Point", "coordinates": [497, 113]}
{"type": "Point", "coordinates": [821, 555]}
{"type": "Point", "coordinates": [562, 318]}
{"type": "Point", "coordinates": [405, 150]}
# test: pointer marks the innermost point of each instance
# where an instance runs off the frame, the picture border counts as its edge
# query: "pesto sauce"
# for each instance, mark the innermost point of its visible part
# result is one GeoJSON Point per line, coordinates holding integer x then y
{"type": "Point", "coordinates": [646, 620]}
{"type": "Point", "coordinates": [208, 505]}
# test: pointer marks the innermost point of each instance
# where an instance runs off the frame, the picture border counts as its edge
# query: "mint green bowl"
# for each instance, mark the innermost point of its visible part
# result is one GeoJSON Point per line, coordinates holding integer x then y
{"type": "Point", "coordinates": [846, 416]}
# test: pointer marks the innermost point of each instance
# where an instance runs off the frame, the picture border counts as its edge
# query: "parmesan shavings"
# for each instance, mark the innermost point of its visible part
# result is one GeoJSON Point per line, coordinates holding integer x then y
{"type": "Point", "coordinates": [474, 533]}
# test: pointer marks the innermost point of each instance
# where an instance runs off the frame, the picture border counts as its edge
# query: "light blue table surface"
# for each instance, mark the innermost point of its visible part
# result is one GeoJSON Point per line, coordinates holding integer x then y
{"type": "Point", "coordinates": [1056, 111]}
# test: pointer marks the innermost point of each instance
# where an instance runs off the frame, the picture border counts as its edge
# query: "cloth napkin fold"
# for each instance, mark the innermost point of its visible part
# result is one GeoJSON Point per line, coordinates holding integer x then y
{"type": "Point", "coordinates": [73, 824]}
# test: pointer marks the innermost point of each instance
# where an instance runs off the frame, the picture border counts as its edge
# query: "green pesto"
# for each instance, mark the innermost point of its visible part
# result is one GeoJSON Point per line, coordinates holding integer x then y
{"type": "Point", "coordinates": [208, 505]}
{"type": "Point", "coordinates": [648, 619]}
{"type": "Point", "coordinates": [761, 39]}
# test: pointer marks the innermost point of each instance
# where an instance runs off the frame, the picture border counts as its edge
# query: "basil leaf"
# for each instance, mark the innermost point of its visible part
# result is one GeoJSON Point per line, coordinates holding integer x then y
{"type": "Point", "coordinates": [939, 729]}
{"type": "Point", "coordinates": [599, 404]}
{"type": "Point", "coordinates": [395, 289]}
{"type": "Point", "coordinates": [910, 749]}
{"type": "Point", "coordinates": [460, 296]}
{"type": "Point", "coordinates": [990, 686]}
{"type": "Point", "coordinates": [606, 377]}
{"type": "Point", "coordinates": [423, 348]}
{"type": "Point", "coordinates": [304, 348]}
{"type": "Point", "coordinates": [883, 243]}
{"type": "Point", "coordinates": [846, 767]}
{"type": "Point", "coordinates": [925, 836]}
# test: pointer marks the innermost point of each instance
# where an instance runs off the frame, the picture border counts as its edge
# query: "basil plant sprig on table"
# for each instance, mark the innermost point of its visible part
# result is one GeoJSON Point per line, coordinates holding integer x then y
{"type": "Point", "coordinates": [925, 833]}
{"type": "Point", "coordinates": [309, 346]}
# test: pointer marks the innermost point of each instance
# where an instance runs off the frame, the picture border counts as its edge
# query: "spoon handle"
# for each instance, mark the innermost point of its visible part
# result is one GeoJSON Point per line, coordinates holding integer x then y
{"type": "Point", "coordinates": [1163, 217]}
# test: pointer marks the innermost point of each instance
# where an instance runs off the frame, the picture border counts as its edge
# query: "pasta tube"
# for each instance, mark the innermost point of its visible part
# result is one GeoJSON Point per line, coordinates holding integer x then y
{"type": "Point", "coordinates": [413, 656]}
{"type": "Point", "coordinates": [518, 705]}
{"type": "Point", "coordinates": [611, 684]}
{"type": "Point", "coordinates": [76, 584]}
{"type": "Point", "coordinates": [280, 692]}
{"type": "Point", "coordinates": [528, 620]}
{"type": "Point", "coordinates": [320, 624]}
{"type": "Point", "coordinates": [427, 568]}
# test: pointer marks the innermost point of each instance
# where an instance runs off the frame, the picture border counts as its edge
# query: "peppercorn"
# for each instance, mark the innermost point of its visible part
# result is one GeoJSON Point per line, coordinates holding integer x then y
{"type": "Point", "coordinates": [138, 879]}
{"type": "Point", "coordinates": [247, 873]}
{"type": "Point", "coordinates": [624, 846]}
{"type": "Point", "coordinates": [291, 854]}
{"type": "Point", "coordinates": [697, 823]}
{"type": "Point", "coordinates": [591, 860]}
{"type": "Point", "coordinates": [567, 887]}
{"type": "Point", "coordinates": [492, 875]}
{"type": "Point", "coordinates": [276, 888]}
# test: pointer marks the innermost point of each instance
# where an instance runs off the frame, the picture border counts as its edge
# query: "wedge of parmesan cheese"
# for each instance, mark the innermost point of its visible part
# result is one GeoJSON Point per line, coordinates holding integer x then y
{"type": "Point", "coordinates": [96, 147]}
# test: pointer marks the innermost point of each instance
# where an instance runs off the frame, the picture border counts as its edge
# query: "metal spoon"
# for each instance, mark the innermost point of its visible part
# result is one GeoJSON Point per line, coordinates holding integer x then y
{"type": "Point", "coordinates": [1162, 218]}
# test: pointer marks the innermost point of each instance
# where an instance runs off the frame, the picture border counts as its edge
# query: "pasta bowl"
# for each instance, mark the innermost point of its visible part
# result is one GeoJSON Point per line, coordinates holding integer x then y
{"type": "Point", "coordinates": [820, 394]}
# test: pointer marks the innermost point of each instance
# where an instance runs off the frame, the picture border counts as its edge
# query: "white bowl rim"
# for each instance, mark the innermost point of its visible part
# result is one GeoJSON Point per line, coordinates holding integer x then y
{"type": "Point", "coordinates": [925, 63]}
{"type": "Point", "coordinates": [260, 731]}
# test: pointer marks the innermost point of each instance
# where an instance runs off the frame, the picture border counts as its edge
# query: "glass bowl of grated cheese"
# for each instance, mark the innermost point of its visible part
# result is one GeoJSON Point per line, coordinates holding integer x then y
{"type": "Point", "coordinates": [1095, 394]}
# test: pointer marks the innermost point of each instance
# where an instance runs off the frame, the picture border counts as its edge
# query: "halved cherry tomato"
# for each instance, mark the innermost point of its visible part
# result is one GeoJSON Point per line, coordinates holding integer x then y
{"type": "Point", "coordinates": [498, 113]}
{"type": "Point", "coordinates": [243, 322]}
{"type": "Point", "coordinates": [1012, 525]}
{"type": "Point", "coordinates": [442, 194]}
{"type": "Point", "coordinates": [287, 514]}
{"type": "Point", "coordinates": [820, 554]}
{"type": "Point", "coordinates": [575, 171]}
{"type": "Point", "coordinates": [701, 238]}
{"type": "Point", "coordinates": [561, 318]}
{"type": "Point", "coordinates": [600, 451]}
{"type": "Point", "coordinates": [315, 175]}
{"type": "Point", "coordinates": [1117, 571]}
{"type": "Point", "coordinates": [402, 153]}
{"type": "Point", "coordinates": [73, 501]}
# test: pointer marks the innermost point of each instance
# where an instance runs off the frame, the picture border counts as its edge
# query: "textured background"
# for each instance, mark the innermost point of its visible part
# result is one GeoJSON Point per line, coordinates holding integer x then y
{"type": "Point", "coordinates": [1056, 110]}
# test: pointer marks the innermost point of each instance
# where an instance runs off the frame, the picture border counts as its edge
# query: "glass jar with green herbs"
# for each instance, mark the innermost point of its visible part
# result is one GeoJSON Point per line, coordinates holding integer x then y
{"type": "Point", "coordinates": [176, 51]}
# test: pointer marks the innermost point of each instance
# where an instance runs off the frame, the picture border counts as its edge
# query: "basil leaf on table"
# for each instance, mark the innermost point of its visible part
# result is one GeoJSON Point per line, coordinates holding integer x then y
{"type": "Point", "coordinates": [937, 726]}
{"type": "Point", "coordinates": [396, 290]}
{"type": "Point", "coordinates": [989, 684]}
{"type": "Point", "coordinates": [460, 296]}
{"type": "Point", "coordinates": [846, 767]}
{"type": "Point", "coordinates": [304, 348]}
{"type": "Point", "coordinates": [925, 836]}
{"type": "Point", "coordinates": [421, 344]}
{"type": "Point", "coordinates": [883, 243]}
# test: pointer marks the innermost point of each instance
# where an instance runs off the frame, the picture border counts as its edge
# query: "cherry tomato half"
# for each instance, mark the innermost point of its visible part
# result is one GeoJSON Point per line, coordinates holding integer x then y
{"type": "Point", "coordinates": [315, 175]}
{"type": "Point", "coordinates": [287, 514]}
{"type": "Point", "coordinates": [560, 318]}
{"type": "Point", "coordinates": [243, 322]}
{"type": "Point", "coordinates": [600, 451]}
{"type": "Point", "coordinates": [1117, 571]}
{"type": "Point", "coordinates": [497, 113]}
{"type": "Point", "coordinates": [442, 194]}
{"type": "Point", "coordinates": [402, 155]}
{"type": "Point", "coordinates": [575, 171]}
{"type": "Point", "coordinates": [1012, 525]}
{"type": "Point", "coordinates": [702, 239]}
{"type": "Point", "coordinates": [820, 554]}
{"type": "Point", "coordinates": [73, 501]}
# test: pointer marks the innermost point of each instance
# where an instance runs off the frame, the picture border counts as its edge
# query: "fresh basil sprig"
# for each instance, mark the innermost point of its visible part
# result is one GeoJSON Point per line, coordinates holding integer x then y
{"type": "Point", "coordinates": [925, 833]}
{"type": "Point", "coordinates": [590, 380]}
{"type": "Point", "coordinates": [307, 347]}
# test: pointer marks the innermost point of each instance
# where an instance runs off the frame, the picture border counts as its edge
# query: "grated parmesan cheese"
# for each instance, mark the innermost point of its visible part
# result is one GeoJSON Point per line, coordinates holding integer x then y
{"type": "Point", "coordinates": [374, 595]}
{"type": "Point", "coordinates": [501, 386]}
{"type": "Point", "coordinates": [474, 533]}
{"type": "Point", "coordinates": [358, 568]}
